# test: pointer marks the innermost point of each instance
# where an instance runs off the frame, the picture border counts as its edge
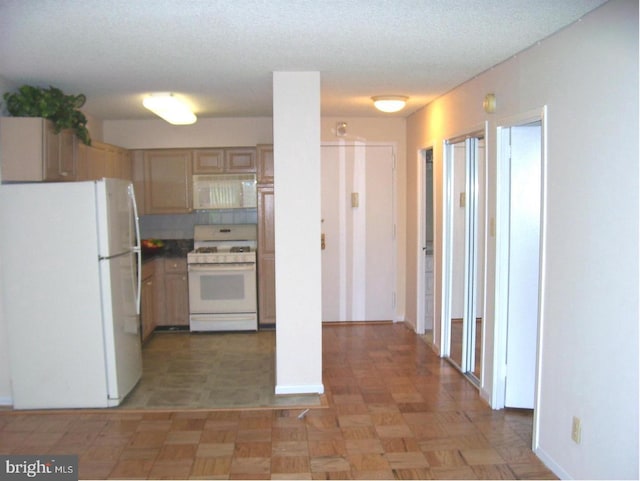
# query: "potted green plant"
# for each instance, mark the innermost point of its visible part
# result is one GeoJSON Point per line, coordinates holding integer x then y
{"type": "Point", "coordinates": [50, 103]}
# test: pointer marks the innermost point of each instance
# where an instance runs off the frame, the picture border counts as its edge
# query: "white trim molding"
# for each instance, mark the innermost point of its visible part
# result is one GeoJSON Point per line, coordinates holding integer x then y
{"type": "Point", "coordinates": [301, 389]}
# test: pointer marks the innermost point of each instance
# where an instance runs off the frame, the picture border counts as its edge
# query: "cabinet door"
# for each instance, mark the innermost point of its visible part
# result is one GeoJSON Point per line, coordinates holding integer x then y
{"type": "Point", "coordinates": [137, 169]}
{"type": "Point", "coordinates": [33, 152]}
{"type": "Point", "coordinates": [124, 164]}
{"type": "Point", "coordinates": [111, 161]}
{"type": "Point", "coordinates": [176, 292]}
{"type": "Point", "coordinates": [51, 153]}
{"type": "Point", "coordinates": [67, 155]}
{"type": "Point", "coordinates": [266, 258]}
{"type": "Point", "coordinates": [96, 162]}
{"type": "Point", "coordinates": [60, 155]}
{"type": "Point", "coordinates": [208, 161]}
{"type": "Point", "coordinates": [265, 164]}
{"type": "Point", "coordinates": [82, 166]}
{"type": "Point", "coordinates": [241, 159]}
{"type": "Point", "coordinates": [167, 179]}
{"type": "Point", "coordinates": [147, 307]}
{"type": "Point", "coordinates": [176, 295]}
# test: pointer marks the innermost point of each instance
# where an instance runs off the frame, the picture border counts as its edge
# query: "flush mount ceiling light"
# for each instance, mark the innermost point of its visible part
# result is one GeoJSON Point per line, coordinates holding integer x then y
{"type": "Point", "coordinates": [170, 108]}
{"type": "Point", "coordinates": [389, 103]}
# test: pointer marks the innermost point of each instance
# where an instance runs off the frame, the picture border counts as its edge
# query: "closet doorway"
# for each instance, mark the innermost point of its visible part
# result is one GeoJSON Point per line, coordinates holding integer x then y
{"type": "Point", "coordinates": [464, 253]}
{"type": "Point", "coordinates": [520, 194]}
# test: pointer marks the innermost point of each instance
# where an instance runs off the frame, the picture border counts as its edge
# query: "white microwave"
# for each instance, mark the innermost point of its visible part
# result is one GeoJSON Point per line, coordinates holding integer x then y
{"type": "Point", "coordinates": [224, 191]}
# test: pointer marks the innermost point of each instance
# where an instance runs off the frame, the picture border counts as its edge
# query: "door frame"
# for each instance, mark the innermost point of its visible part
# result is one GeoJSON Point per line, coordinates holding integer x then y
{"type": "Point", "coordinates": [394, 204]}
{"type": "Point", "coordinates": [502, 259]}
{"type": "Point", "coordinates": [421, 223]}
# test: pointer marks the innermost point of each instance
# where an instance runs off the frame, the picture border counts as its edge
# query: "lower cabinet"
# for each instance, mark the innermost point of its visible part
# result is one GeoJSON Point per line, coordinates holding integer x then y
{"type": "Point", "coordinates": [148, 300]}
{"type": "Point", "coordinates": [176, 292]}
{"type": "Point", "coordinates": [165, 294]}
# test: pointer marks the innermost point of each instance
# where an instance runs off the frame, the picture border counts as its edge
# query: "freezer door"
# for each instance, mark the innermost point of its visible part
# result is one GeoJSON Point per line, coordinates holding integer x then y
{"type": "Point", "coordinates": [121, 326]}
{"type": "Point", "coordinates": [116, 218]}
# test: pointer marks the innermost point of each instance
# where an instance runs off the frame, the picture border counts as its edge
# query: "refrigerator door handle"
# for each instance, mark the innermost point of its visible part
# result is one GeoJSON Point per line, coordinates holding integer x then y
{"type": "Point", "coordinates": [137, 248]}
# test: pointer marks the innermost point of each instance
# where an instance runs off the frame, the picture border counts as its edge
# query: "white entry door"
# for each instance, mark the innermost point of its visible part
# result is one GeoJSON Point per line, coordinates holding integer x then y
{"type": "Point", "coordinates": [358, 245]}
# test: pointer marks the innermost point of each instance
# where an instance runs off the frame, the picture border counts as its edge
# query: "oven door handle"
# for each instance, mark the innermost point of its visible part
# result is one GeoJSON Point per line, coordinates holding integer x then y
{"type": "Point", "coordinates": [247, 266]}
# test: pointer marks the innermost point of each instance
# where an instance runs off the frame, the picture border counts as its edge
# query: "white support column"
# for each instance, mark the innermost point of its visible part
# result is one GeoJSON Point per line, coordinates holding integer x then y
{"type": "Point", "coordinates": [296, 139]}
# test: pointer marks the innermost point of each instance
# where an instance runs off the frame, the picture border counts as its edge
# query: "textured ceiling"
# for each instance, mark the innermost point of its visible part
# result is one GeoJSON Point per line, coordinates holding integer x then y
{"type": "Point", "coordinates": [220, 54]}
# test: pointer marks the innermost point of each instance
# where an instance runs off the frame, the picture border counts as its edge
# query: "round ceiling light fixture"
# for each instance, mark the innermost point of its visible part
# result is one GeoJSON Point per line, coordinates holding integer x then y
{"type": "Point", "coordinates": [389, 103]}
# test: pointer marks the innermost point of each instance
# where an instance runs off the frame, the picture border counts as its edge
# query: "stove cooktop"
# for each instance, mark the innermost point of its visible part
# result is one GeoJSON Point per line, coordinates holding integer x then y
{"type": "Point", "coordinates": [224, 255]}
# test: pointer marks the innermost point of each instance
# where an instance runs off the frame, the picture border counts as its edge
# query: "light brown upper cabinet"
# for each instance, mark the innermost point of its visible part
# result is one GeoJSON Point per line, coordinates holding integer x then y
{"type": "Point", "coordinates": [32, 151]}
{"type": "Point", "coordinates": [167, 181]}
{"type": "Point", "coordinates": [103, 160]}
{"type": "Point", "coordinates": [224, 160]}
{"type": "Point", "coordinates": [265, 164]}
{"type": "Point", "coordinates": [241, 159]}
{"type": "Point", "coordinates": [208, 161]}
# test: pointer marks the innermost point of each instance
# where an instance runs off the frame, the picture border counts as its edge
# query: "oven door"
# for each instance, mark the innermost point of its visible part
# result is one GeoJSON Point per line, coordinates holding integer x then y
{"type": "Point", "coordinates": [222, 288]}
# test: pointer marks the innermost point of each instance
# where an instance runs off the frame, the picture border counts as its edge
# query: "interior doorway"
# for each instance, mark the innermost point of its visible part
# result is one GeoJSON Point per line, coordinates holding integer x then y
{"type": "Point", "coordinates": [464, 253]}
{"type": "Point", "coordinates": [358, 232]}
{"type": "Point", "coordinates": [429, 266]}
{"type": "Point", "coordinates": [519, 253]}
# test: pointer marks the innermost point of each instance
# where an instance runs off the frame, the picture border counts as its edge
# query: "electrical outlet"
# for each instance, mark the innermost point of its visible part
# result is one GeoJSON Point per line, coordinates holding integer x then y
{"type": "Point", "coordinates": [576, 430]}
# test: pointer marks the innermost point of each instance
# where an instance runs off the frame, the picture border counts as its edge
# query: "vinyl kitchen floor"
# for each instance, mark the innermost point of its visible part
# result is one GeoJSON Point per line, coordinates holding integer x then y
{"type": "Point", "coordinates": [394, 410]}
{"type": "Point", "coordinates": [183, 370]}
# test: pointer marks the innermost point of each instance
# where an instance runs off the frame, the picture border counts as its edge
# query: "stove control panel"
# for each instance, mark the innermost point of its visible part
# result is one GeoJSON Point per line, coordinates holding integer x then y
{"type": "Point", "coordinates": [221, 258]}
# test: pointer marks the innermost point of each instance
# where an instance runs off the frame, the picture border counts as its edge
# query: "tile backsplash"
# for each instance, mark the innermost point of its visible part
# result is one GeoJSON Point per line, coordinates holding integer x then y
{"type": "Point", "coordinates": [180, 226]}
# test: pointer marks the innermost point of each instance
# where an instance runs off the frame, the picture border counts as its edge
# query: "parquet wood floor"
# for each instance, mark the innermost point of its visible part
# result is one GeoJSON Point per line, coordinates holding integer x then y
{"type": "Point", "coordinates": [182, 370]}
{"type": "Point", "coordinates": [394, 411]}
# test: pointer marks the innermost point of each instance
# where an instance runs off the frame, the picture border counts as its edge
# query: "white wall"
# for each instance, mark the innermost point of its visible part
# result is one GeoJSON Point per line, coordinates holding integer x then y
{"type": "Point", "coordinates": [296, 119]}
{"type": "Point", "coordinates": [587, 75]}
{"type": "Point", "coordinates": [206, 132]}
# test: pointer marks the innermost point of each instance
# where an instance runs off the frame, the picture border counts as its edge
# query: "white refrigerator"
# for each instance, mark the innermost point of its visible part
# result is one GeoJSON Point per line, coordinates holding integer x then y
{"type": "Point", "coordinates": [70, 260]}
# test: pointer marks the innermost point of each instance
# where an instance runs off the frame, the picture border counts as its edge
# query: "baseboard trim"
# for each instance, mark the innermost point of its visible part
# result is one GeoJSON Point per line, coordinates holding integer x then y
{"type": "Point", "coordinates": [550, 463]}
{"type": "Point", "coordinates": [354, 323]}
{"type": "Point", "coordinates": [301, 389]}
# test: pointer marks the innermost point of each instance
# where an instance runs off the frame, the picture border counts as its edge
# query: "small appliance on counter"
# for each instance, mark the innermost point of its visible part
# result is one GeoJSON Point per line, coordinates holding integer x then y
{"type": "Point", "coordinates": [222, 278]}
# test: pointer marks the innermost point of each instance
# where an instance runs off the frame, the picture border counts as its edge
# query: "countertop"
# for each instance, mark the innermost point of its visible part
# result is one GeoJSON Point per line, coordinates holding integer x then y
{"type": "Point", "coordinates": [172, 248]}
